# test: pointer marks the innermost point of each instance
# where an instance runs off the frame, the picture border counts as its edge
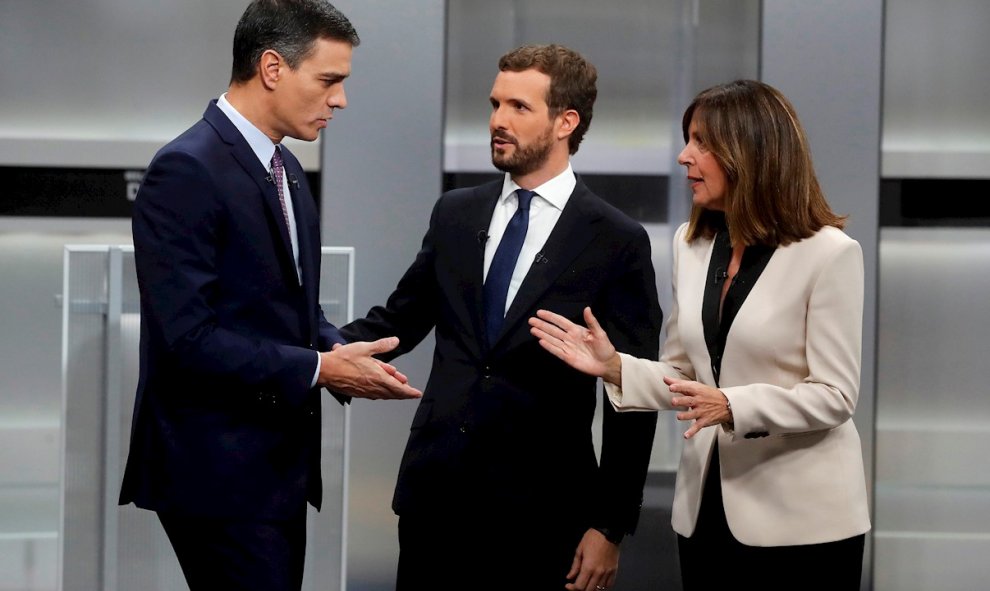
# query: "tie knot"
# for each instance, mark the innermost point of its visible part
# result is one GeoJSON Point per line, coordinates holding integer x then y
{"type": "Point", "coordinates": [525, 197]}
{"type": "Point", "coordinates": [277, 158]}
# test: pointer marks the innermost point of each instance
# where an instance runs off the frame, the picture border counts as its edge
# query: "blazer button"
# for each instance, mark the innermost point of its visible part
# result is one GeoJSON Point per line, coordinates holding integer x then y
{"type": "Point", "coordinates": [462, 429]}
{"type": "Point", "coordinates": [487, 372]}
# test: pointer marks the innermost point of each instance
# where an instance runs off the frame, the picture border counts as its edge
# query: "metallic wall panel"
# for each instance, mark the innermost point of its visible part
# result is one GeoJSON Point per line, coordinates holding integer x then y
{"type": "Point", "coordinates": [936, 119]}
{"type": "Point", "coordinates": [933, 410]}
{"type": "Point", "coordinates": [381, 176]}
{"type": "Point", "coordinates": [116, 56]}
{"type": "Point", "coordinates": [826, 58]}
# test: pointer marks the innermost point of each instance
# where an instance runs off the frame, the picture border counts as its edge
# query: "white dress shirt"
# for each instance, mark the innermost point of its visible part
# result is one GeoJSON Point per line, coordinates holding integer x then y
{"type": "Point", "coordinates": [544, 211]}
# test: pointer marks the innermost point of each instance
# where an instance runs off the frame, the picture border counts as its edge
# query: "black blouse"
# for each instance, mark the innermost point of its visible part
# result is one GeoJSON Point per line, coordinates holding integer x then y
{"type": "Point", "coordinates": [754, 260]}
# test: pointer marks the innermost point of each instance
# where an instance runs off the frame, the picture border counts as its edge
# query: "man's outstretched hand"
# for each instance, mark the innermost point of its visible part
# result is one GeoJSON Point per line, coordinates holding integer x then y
{"type": "Point", "coordinates": [350, 369]}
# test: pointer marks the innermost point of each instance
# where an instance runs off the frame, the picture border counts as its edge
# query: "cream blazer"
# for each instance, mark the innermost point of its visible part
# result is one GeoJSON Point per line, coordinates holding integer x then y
{"type": "Point", "coordinates": [792, 467]}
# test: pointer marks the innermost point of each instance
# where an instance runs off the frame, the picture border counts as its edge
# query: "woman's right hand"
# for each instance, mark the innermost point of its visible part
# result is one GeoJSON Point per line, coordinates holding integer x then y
{"type": "Point", "coordinates": [587, 350]}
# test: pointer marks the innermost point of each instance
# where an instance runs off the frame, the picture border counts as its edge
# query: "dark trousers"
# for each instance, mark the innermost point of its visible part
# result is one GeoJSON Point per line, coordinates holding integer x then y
{"type": "Point", "coordinates": [712, 557]}
{"type": "Point", "coordinates": [238, 555]}
{"type": "Point", "coordinates": [484, 553]}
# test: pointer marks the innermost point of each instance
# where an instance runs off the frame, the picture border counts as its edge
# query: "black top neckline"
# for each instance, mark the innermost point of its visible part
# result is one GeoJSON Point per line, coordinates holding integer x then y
{"type": "Point", "coordinates": [754, 261]}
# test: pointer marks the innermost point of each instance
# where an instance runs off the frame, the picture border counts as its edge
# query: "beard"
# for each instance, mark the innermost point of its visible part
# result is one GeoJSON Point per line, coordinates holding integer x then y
{"type": "Point", "coordinates": [525, 158]}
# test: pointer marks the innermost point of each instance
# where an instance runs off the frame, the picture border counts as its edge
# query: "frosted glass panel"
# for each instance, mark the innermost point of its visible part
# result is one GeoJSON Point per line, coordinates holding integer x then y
{"type": "Point", "coordinates": [104, 546]}
{"type": "Point", "coordinates": [31, 254]}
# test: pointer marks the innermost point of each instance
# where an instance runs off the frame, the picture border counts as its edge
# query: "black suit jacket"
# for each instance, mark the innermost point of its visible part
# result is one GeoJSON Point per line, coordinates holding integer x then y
{"type": "Point", "coordinates": [509, 427]}
{"type": "Point", "coordinates": [225, 422]}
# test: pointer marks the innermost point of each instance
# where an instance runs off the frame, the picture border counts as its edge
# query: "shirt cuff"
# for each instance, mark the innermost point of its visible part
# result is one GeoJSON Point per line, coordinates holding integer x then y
{"type": "Point", "coordinates": [319, 363]}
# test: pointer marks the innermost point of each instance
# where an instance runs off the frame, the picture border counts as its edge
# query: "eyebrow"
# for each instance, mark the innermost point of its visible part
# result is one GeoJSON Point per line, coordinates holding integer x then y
{"type": "Point", "coordinates": [515, 100]}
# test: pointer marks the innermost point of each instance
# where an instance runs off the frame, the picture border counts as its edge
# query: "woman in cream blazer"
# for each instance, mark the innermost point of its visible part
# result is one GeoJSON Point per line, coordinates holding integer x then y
{"type": "Point", "coordinates": [762, 356]}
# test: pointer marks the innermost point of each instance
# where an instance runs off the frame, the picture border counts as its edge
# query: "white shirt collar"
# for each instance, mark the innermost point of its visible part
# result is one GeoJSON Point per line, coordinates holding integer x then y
{"type": "Point", "coordinates": [261, 144]}
{"type": "Point", "coordinates": [556, 191]}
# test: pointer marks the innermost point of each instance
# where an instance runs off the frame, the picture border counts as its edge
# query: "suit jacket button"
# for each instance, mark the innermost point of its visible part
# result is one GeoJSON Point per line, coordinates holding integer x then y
{"type": "Point", "coordinates": [462, 429]}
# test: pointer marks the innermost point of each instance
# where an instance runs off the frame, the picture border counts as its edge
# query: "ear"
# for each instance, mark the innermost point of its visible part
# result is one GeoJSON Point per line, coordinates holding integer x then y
{"type": "Point", "coordinates": [567, 122]}
{"type": "Point", "coordinates": [270, 68]}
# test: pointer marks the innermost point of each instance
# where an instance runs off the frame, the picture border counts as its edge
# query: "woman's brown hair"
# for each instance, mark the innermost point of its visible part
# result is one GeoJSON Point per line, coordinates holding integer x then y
{"type": "Point", "coordinates": [772, 194]}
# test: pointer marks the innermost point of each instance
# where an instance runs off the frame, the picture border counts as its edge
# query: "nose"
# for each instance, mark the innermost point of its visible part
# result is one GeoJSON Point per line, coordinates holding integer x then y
{"type": "Point", "coordinates": [682, 158]}
{"type": "Point", "coordinates": [338, 100]}
{"type": "Point", "coordinates": [496, 119]}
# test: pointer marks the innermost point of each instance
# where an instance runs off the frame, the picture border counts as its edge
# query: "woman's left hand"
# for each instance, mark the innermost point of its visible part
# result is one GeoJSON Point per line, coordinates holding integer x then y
{"type": "Point", "coordinates": [706, 406]}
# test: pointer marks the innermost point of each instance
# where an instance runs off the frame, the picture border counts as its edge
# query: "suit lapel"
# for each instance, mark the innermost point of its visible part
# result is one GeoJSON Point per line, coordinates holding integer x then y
{"type": "Point", "coordinates": [246, 158]}
{"type": "Point", "coordinates": [573, 232]}
{"type": "Point", "coordinates": [478, 219]}
{"type": "Point", "coordinates": [304, 210]}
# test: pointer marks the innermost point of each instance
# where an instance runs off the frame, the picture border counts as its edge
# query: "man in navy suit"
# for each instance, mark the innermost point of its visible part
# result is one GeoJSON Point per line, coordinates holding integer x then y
{"type": "Point", "coordinates": [499, 487]}
{"type": "Point", "coordinates": [225, 442]}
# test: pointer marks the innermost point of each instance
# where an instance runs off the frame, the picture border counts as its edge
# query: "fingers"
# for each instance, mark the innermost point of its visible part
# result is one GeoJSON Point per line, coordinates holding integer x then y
{"type": "Point", "coordinates": [401, 391]}
{"type": "Point", "coordinates": [703, 404]}
{"type": "Point", "coordinates": [550, 346]}
{"type": "Point", "coordinates": [392, 371]}
{"type": "Point", "coordinates": [575, 567]}
{"type": "Point", "coordinates": [539, 332]}
{"type": "Point", "coordinates": [387, 387]}
{"type": "Point", "coordinates": [383, 345]}
{"type": "Point", "coordinates": [547, 330]}
{"type": "Point", "coordinates": [595, 563]}
{"type": "Point", "coordinates": [591, 321]}
{"type": "Point", "coordinates": [555, 319]}
{"type": "Point", "coordinates": [550, 336]}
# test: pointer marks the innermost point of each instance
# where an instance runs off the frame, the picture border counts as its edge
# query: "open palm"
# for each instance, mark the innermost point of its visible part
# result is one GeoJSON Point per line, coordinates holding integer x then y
{"type": "Point", "coordinates": [587, 350]}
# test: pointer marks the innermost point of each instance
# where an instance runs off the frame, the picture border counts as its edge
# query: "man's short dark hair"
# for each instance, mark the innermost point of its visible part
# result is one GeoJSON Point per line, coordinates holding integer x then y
{"type": "Point", "coordinates": [290, 27]}
{"type": "Point", "coordinates": [573, 81]}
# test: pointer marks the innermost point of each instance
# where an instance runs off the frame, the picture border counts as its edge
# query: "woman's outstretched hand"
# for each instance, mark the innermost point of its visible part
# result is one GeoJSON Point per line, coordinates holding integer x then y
{"type": "Point", "coordinates": [587, 350]}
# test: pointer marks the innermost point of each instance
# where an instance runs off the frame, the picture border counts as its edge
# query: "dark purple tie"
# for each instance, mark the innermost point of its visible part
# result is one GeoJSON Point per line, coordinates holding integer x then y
{"type": "Point", "coordinates": [278, 171]}
{"type": "Point", "coordinates": [503, 264]}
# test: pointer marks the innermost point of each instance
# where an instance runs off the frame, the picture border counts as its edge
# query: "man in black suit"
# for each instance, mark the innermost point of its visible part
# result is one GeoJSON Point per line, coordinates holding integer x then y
{"type": "Point", "coordinates": [499, 487]}
{"type": "Point", "coordinates": [225, 442]}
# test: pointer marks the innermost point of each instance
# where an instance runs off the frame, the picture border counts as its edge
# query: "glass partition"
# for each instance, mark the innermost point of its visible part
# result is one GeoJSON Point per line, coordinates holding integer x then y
{"type": "Point", "coordinates": [103, 546]}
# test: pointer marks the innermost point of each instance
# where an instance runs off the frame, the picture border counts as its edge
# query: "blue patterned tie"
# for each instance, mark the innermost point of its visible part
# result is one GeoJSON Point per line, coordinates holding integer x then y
{"type": "Point", "coordinates": [503, 264]}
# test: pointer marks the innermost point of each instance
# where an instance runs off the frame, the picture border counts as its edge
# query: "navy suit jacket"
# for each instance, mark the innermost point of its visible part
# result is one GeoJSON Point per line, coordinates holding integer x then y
{"type": "Point", "coordinates": [508, 427]}
{"type": "Point", "coordinates": [225, 422]}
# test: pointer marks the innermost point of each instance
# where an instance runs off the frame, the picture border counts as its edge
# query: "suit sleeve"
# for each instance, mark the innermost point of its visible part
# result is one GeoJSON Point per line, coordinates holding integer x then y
{"type": "Point", "coordinates": [177, 227]}
{"type": "Point", "coordinates": [642, 379]}
{"type": "Point", "coordinates": [629, 312]}
{"type": "Point", "coordinates": [329, 334]}
{"type": "Point", "coordinates": [411, 310]}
